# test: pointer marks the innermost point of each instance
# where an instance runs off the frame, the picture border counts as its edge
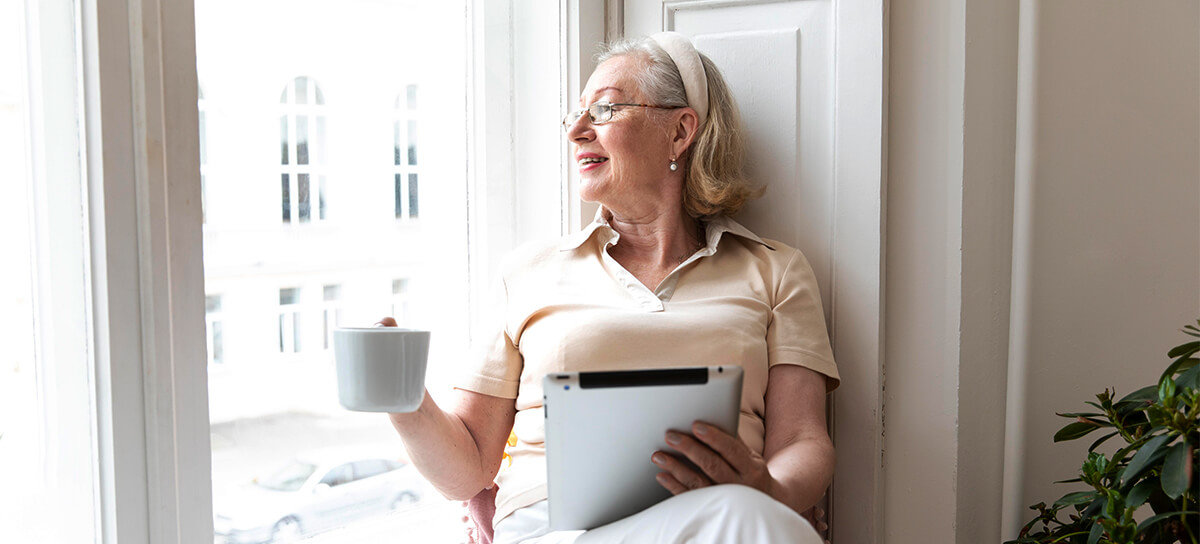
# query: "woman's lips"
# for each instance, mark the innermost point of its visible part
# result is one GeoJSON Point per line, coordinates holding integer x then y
{"type": "Point", "coordinates": [591, 165]}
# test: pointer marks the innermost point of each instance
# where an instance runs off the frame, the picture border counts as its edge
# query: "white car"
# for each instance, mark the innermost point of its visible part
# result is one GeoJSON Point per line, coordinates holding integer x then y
{"type": "Point", "coordinates": [314, 493]}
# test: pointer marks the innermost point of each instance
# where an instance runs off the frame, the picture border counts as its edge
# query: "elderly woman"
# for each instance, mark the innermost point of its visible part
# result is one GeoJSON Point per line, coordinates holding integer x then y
{"type": "Point", "coordinates": [662, 277]}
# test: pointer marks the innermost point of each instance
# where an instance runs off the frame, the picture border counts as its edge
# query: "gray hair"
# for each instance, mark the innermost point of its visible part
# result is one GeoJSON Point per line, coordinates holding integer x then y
{"type": "Point", "coordinates": [714, 181]}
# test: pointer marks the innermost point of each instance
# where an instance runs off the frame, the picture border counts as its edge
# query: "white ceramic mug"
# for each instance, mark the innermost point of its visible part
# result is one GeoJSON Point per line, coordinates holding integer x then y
{"type": "Point", "coordinates": [380, 369]}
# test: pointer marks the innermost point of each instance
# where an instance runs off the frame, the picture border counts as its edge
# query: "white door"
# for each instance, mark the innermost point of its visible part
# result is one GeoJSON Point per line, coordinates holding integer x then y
{"type": "Point", "coordinates": [808, 78]}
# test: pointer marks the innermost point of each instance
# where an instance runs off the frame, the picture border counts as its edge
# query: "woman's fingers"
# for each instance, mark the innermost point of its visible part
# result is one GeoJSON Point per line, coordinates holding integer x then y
{"type": "Point", "coordinates": [683, 474]}
{"type": "Point", "coordinates": [668, 481]}
{"type": "Point", "coordinates": [731, 448]}
{"type": "Point", "coordinates": [387, 322]}
{"type": "Point", "coordinates": [718, 467]}
{"type": "Point", "coordinates": [710, 462]}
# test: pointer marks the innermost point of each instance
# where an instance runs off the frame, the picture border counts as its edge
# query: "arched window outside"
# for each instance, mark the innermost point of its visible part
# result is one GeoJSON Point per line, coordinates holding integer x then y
{"type": "Point", "coordinates": [302, 151]}
{"type": "Point", "coordinates": [404, 155]}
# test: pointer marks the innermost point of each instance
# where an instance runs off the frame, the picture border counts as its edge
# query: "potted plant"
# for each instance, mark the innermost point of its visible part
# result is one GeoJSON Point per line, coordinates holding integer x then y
{"type": "Point", "coordinates": [1155, 467]}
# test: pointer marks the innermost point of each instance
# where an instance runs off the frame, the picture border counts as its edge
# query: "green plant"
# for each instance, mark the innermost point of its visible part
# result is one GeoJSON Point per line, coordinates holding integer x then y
{"type": "Point", "coordinates": [1156, 467]}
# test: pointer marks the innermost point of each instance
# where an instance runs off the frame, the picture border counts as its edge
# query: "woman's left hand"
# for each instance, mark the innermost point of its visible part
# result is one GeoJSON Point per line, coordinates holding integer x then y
{"type": "Point", "coordinates": [721, 458]}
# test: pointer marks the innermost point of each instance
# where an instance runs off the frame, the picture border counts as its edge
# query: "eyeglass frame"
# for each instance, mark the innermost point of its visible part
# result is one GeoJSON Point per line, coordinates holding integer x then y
{"type": "Point", "coordinates": [568, 122]}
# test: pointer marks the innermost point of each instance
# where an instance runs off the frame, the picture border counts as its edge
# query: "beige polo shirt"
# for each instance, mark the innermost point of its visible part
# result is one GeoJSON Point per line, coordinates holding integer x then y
{"type": "Point", "coordinates": [567, 305]}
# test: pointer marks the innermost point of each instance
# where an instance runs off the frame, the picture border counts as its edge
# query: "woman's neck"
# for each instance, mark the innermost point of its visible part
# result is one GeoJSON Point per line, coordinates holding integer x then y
{"type": "Point", "coordinates": [660, 238]}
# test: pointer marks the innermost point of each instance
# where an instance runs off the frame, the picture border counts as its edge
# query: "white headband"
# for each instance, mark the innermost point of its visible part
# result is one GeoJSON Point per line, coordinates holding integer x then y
{"type": "Point", "coordinates": [687, 60]}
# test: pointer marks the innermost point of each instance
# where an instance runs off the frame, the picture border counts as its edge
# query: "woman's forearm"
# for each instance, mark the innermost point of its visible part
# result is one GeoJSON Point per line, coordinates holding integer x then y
{"type": "Point", "coordinates": [444, 450]}
{"type": "Point", "coordinates": [802, 471]}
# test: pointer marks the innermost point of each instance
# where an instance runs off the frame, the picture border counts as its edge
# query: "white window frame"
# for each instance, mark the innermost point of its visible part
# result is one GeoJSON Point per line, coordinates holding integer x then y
{"type": "Point", "coordinates": [145, 237]}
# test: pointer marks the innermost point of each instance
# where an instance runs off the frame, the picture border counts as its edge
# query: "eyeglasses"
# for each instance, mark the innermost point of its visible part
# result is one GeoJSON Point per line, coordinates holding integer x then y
{"type": "Point", "coordinates": [602, 112]}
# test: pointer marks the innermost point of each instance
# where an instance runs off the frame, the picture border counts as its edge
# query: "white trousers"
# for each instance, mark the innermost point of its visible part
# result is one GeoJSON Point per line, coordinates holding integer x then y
{"type": "Point", "coordinates": [717, 514]}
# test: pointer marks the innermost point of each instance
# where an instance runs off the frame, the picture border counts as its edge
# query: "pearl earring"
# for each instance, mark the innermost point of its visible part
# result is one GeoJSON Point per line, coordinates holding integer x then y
{"type": "Point", "coordinates": [674, 166]}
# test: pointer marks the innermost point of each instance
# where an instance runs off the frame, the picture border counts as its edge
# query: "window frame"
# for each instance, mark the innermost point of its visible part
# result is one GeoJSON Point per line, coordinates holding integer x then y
{"type": "Point", "coordinates": [144, 244]}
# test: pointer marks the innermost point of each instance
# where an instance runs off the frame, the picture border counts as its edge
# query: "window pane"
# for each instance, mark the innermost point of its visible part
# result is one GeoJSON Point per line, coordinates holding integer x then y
{"type": "Point", "coordinates": [302, 139]}
{"type": "Point", "coordinates": [321, 197]}
{"type": "Point", "coordinates": [301, 84]}
{"type": "Point", "coordinates": [283, 139]}
{"type": "Point", "coordinates": [286, 200]}
{"type": "Point", "coordinates": [218, 344]}
{"type": "Point", "coordinates": [399, 194]}
{"type": "Point", "coordinates": [412, 195]}
{"type": "Point", "coordinates": [302, 196]}
{"type": "Point", "coordinates": [397, 154]}
{"type": "Point", "coordinates": [412, 142]}
{"type": "Point", "coordinates": [273, 401]}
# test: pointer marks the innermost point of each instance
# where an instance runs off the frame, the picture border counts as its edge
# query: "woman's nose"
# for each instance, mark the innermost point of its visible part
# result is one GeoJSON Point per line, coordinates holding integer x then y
{"type": "Point", "coordinates": [581, 130]}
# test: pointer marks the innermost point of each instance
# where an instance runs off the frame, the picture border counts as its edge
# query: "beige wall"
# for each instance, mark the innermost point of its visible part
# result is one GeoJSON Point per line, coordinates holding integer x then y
{"type": "Point", "coordinates": [1111, 268]}
{"type": "Point", "coordinates": [1042, 163]}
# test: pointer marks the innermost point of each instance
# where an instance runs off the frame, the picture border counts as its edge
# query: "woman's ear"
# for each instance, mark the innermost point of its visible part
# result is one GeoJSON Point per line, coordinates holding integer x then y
{"type": "Point", "coordinates": [684, 130]}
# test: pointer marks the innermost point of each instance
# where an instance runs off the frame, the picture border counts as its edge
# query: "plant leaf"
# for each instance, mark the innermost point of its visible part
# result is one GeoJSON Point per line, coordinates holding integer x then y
{"type": "Point", "coordinates": [1181, 363]}
{"type": "Point", "coordinates": [1093, 508]}
{"type": "Point", "coordinates": [1189, 379]}
{"type": "Point", "coordinates": [1176, 351]}
{"type": "Point", "coordinates": [1078, 497]}
{"type": "Point", "coordinates": [1175, 470]}
{"type": "Point", "coordinates": [1101, 440]}
{"type": "Point", "coordinates": [1140, 492]}
{"type": "Point", "coordinates": [1071, 481]}
{"type": "Point", "coordinates": [1149, 392]}
{"type": "Point", "coordinates": [1074, 430]}
{"type": "Point", "coordinates": [1074, 415]}
{"type": "Point", "coordinates": [1148, 452]}
{"type": "Point", "coordinates": [1095, 534]}
{"type": "Point", "coordinates": [1157, 518]}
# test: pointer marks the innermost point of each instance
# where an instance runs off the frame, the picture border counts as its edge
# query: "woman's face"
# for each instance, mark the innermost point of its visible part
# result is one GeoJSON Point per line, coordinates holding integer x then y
{"type": "Point", "coordinates": [623, 164]}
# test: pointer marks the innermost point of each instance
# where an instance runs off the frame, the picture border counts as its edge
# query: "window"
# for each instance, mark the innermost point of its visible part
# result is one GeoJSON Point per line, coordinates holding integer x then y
{"type": "Point", "coordinates": [400, 301]}
{"type": "Point", "coordinates": [302, 151]}
{"type": "Point", "coordinates": [201, 106]}
{"type": "Point", "coordinates": [404, 155]}
{"type": "Point", "coordinates": [212, 318]}
{"type": "Point", "coordinates": [332, 315]}
{"type": "Point", "coordinates": [289, 320]}
{"type": "Point", "coordinates": [48, 455]}
{"type": "Point", "coordinates": [338, 476]}
{"type": "Point", "coordinates": [369, 468]}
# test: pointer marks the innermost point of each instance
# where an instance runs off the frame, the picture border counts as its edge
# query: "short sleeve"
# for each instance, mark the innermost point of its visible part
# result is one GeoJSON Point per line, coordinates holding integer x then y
{"type": "Point", "coordinates": [495, 368]}
{"type": "Point", "coordinates": [796, 334]}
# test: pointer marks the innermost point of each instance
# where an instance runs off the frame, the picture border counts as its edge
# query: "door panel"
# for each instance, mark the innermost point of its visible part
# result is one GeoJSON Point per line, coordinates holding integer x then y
{"type": "Point", "coordinates": [808, 76]}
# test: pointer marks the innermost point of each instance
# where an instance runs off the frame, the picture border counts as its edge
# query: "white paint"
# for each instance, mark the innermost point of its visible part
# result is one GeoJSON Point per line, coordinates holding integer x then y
{"type": "Point", "coordinates": [809, 80]}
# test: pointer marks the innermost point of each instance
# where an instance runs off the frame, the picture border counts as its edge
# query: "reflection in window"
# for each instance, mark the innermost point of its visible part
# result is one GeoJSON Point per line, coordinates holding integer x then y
{"type": "Point", "coordinates": [216, 340]}
{"type": "Point", "coordinates": [332, 317]}
{"type": "Point", "coordinates": [289, 320]}
{"type": "Point", "coordinates": [338, 476]}
{"type": "Point", "coordinates": [302, 151]}
{"type": "Point", "coordinates": [400, 301]}
{"type": "Point", "coordinates": [404, 154]}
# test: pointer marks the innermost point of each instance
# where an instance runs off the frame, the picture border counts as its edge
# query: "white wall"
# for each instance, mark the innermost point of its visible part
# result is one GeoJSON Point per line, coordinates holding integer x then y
{"type": "Point", "coordinates": [1110, 268]}
{"type": "Point", "coordinates": [1080, 120]}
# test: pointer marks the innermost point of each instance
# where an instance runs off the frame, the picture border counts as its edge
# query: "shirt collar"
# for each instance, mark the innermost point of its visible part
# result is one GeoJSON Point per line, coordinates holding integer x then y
{"type": "Point", "coordinates": [714, 229]}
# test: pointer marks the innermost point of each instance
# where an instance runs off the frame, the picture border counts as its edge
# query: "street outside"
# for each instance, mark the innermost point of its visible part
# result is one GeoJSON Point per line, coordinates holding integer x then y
{"type": "Point", "coordinates": [252, 448]}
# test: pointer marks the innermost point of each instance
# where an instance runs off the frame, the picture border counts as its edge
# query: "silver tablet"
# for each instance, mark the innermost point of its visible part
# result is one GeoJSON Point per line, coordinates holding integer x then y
{"type": "Point", "coordinates": [602, 428]}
